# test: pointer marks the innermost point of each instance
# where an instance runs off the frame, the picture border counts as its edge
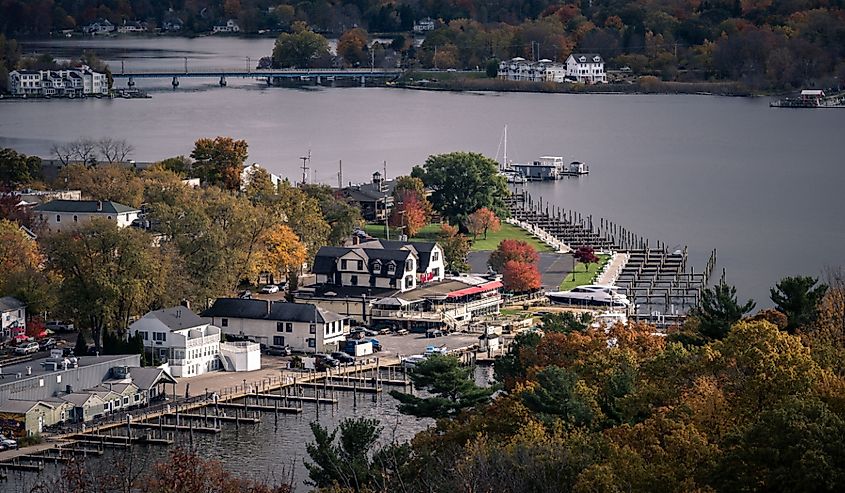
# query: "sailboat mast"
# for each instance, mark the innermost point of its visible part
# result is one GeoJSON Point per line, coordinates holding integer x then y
{"type": "Point", "coordinates": [505, 157]}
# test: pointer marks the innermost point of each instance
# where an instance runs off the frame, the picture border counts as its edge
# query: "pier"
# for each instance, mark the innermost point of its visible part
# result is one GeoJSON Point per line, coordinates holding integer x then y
{"type": "Point", "coordinates": [270, 76]}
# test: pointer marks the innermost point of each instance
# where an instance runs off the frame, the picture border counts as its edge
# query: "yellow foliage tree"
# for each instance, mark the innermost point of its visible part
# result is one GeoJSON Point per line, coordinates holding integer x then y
{"type": "Point", "coordinates": [283, 252]}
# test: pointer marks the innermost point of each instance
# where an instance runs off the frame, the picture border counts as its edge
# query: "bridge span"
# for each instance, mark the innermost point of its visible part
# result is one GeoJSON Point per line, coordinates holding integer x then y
{"type": "Point", "coordinates": [270, 75]}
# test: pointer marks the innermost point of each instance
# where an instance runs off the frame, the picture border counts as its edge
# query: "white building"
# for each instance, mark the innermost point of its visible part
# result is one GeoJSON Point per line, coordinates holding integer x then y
{"type": "Point", "coordinates": [131, 27]}
{"type": "Point", "coordinates": [302, 326]}
{"type": "Point", "coordinates": [249, 170]}
{"type": "Point", "coordinates": [12, 317]}
{"type": "Point", "coordinates": [61, 215]}
{"type": "Point", "coordinates": [587, 68]}
{"type": "Point", "coordinates": [380, 264]}
{"type": "Point", "coordinates": [189, 345]}
{"type": "Point", "coordinates": [424, 25]}
{"type": "Point", "coordinates": [230, 27]}
{"type": "Point", "coordinates": [100, 26]}
{"type": "Point", "coordinates": [73, 82]}
{"type": "Point", "coordinates": [543, 70]}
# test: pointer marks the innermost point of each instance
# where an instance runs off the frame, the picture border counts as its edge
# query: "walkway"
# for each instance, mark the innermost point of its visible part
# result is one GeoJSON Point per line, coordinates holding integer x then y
{"type": "Point", "coordinates": [614, 268]}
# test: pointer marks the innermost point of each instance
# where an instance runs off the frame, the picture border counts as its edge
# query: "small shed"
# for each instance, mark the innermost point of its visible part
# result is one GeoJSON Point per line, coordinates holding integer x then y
{"type": "Point", "coordinates": [489, 342]}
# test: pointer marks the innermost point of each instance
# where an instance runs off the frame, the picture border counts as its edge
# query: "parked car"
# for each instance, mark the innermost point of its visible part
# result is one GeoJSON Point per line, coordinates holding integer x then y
{"type": "Point", "coordinates": [323, 361]}
{"type": "Point", "coordinates": [343, 357]}
{"type": "Point", "coordinates": [269, 289]}
{"type": "Point", "coordinates": [27, 348]}
{"type": "Point", "coordinates": [385, 331]}
{"type": "Point", "coordinates": [370, 332]}
{"type": "Point", "coordinates": [432, 333]}
{"type": "Point", "coordinates": [58, 326]}
{"type": "Point", "coordinates": [246, 294]}
{"type": "Point", "coordinates": [356, 334]}
{"type": "Point", "coordinates": [278, 351]}
{"type": "Point", "coordinates": [400, 332]}
{"type": "Point", "coordinates": [46, 344]}
{"type": "Point", "coordinates": [376, 345]}
{"type": "Point", "coordinates": [8, 442]}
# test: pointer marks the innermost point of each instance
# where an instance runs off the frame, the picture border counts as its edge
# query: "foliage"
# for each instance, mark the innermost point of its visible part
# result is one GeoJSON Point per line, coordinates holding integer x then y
{"type": "Point", "coordinates": [90, 152]}
{"type": "Point", "coordinates": [81, 346]}
{"type": "Point", "coordinates": [455, 247]}
{"type": "Point", "coordinates": [180, 165]}
{"type": "Point", "coordinates": [283, 252]}
{"type": "Point", "coordinates": [21, 270]}
{"type": "Point", "coordinates": [463, 182]}
{"type": "Point", "coordinates": [520, 277]}
{"type": "Point", "coordinates": [798, 298]}
{"type": "Point", "coordinates": [481, 221]}
{"type": "Point", "coordinates": [105, 182]}
{"type": "Point", "coordinates": [586, 255]}
{"type": "Point", "coordinates": [719, 310]}
{"type": "Point", "coordinates": [353, 47]}
{"type": "Point", "coordinates": [304, 215]}
{"type": "Point", "coordinates": [259, 186]}
{"type": "Point", "coordinates": [342, 216]}
{"type": "Point", "coordinates": [219, 161]}
{"type": "Point", "coordinates": [566, 322]}
{"type": "Point", "coordinates": [17, 169]}
{"type": "Point", "coordinates": [517, 250]}
{"type": "Point", "coordinates": [408, 214]}
{"type": "Point", "coordinates": [451, 386]}
{"type": "Point", "coordinates": [301, 49]}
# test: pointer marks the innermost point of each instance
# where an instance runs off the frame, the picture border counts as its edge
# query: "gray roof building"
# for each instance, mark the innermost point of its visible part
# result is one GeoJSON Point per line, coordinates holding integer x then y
{"type": "Point", "coordinates": [9, 303]}
{"type": "Point", "coordinates": [84, 207]}
{"type": "Point", "coordinates": [270, 310]}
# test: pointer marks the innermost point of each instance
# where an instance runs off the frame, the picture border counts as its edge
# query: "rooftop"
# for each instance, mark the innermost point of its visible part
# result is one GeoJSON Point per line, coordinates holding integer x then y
{"type": "Point", "coordinates": [270, 310]}
{"type": "Point", "coordinates": [176, 318]}
{"type": "Point", "coordinates": [39, 370]}
{"type": "Point", "coordinates": [85, 206]}
{"type": "Point", "coordinates": [8, 303]}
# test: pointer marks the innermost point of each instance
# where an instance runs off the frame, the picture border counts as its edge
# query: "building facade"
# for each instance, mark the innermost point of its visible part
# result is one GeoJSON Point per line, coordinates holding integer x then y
{"type": "Point", "coordinates": [302, 326]}
{"type": "Point", "coordinates": [72, 82]}
{"type": "Point", "coordinates": [177, 336]}
{"type": "Point", "coordinates": [586, 68]}
{"type": "Point", "coordinates": [230, 27]}
{"type": "Point", "coordinates": [12, 317]}
{"type": "Point", "coordinates": [521, 69]}
{"type": "Point", "coordinates": [424, 25]}
{"type": "Point", "coordinates": [375, 199]}
{"type": "Point", "coordinates": [63, 215]}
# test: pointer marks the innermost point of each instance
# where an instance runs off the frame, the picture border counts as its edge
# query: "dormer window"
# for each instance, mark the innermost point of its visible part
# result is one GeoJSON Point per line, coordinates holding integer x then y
{"type": "Point", "coordinates": [391, 268]}
{"type": "Point", "coordinates": [377, 266]}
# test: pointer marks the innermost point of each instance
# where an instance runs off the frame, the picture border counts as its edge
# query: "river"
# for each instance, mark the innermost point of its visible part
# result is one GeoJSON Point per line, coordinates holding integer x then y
{"type": "Point", "coordinates": [761, 185]}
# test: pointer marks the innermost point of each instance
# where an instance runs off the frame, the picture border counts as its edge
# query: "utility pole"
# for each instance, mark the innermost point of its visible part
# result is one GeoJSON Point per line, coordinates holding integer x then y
{"type": "Point", "coordinates": [386, 210]}
{"type": "Point", "coordinates": [435, 57]}
{"type": "Point", "coordinates": [306, 160]}
{"type": "Point", "coordinates": [340, 174]}
{"type": "Point", "coordinates": [186, 65]}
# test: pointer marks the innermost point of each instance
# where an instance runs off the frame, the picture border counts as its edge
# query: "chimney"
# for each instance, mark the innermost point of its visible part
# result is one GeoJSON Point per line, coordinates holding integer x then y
{"type": "Point", "coordinates": [269, 306]}
{"type": "Point", "coordinates": [186, 303]}
{"type": "Point", "coordinates": [99, 206]}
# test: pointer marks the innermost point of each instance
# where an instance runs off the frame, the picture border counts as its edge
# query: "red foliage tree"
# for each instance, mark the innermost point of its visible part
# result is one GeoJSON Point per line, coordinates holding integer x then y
{"type": "Point", "coordinates": [409, 213]}
{"type": "Point", "coordinates": [35, 328]}
{"type": "Point", "coordinates": [482, 221]}
{"type": "Point", "coordinates": [586, 255]}
{"type": "Point", "coordinates": [517, 250]}
{"type": "Point", "coordinates": [520, 277]}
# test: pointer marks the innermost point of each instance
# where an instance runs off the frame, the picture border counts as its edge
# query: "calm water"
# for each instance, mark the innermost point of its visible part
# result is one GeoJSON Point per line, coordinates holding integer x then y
{"type": "Point", "coordinates": [761, 185]}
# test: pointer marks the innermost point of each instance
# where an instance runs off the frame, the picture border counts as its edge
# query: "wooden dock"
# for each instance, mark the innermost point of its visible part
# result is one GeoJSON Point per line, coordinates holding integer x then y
{"type": "Point", "coordinates": [334, 386]}
{"type": "Point", "coordinates": [294, 398]}
{"type": "Point", "coordinates": [222, 418]}
{"type": "Point", "coordinates": [262, 408]}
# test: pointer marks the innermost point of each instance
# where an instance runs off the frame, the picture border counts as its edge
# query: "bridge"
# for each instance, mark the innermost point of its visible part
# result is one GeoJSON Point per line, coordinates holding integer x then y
{"type": "Point", "coordinates": [271, 75]}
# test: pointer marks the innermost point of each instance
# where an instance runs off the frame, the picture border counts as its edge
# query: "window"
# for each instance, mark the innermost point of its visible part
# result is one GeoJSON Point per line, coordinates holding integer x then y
{"type": "Point", "coordinates": [159, 336]}
{"type": "Point", "coordinates": [75, 218]}
{"type": "Point", "coordinates": [436, 272]}
{"type": "Point", "coordinates": [58, 379]}
{"type": "Point", "coordinates": [224, 322]}
{"type": "Point", "coordinates": [280, 326]}
{"type": "Point", "coordinates": [376, 266]}
{"type": "Point", "coordinates": [343, 264]}
{"type": "Point", "coordinates": [312, 329]}
{"type": "Point", "coordinates": [58, 218]}
{"type": "Point", "coordinates": [137, 397]}
{"type": "Point", "coordinates": [391, 268]}
{"type": "Point", "coordinates": [354, 280]}
{"type": "Point", "coordinates": [360, 265]}
{"type": "Point", "coordinates": [278, 340]}
{"type": "Point", "coordinates": [126, 400]}
{"type": "Point", "coordinates": [409, 265]}
{"type": "Point", "coordinates": [435, 255]}
{"type": "Point", "coordinates": [312, 342]}
{"type": "Point", "coordinates": [144, 335]}
{"type": "Point", "coordinates": [289, 327]}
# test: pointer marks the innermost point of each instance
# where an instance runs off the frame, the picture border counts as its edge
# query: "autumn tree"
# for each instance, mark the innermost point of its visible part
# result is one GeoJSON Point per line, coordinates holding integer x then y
{"type": "Point", "coordinates": [455, 246]}
{"type": "Point", "coordinates": [302, 48]}
{"type": "Point", "coordinates": [303, 214]}
{"type": "Point", "coordinates": [353, 47]}
{"type": "Point", "coordinates": [408, 213]}
{"type": "Point", "coordinates": [284, 253]}
{"type": "Point", "coordinates": [517, 250]}
{"type": "Point", "coordinates": [520, 277]}
{"type": "Point", "coordinates": [718, 310]}
{"type": "Point", "coordinates": [482, 221]}
{"type": "Point", "coordinates": [586, 255]}
{"type": "Point", "coordinates": [17, 169]}
{"type": "Point", "coordinates": [463, 182]}
{"type": "Point", "coordinates": [21, 270]}
{"type": "Point", "coordinates": [220, 161]}
{"type": "Point", "coordinates": [105, 182]}
{"type": "Point", "coordinates": [798, 298]}
{"type": "Point", "coordinates": [342, 216]}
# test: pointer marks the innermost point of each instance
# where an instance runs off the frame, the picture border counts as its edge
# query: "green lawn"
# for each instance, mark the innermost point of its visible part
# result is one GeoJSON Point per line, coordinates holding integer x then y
{"type": "Point", "coordinates": [582, 277]}
{"type": "Point", "coordinates": [429, 233]}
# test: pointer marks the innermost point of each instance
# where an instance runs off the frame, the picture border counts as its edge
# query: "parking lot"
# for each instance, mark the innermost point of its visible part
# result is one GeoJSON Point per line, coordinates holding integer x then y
{"type": "Point", "coordinates": [404, 345]}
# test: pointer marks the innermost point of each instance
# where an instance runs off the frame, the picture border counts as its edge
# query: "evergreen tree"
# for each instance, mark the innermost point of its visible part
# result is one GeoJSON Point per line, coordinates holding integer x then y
{"type": "Point", "coordinates": [81, 348]}
{"type": "Point", "coordinates": [719, 310]}
{"type": "Point", "coordinates": [798, 298]}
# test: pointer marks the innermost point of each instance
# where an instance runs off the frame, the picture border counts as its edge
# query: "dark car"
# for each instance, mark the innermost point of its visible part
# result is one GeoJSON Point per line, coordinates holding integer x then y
{"type": "Point", "coordinates": [432, 333]}
{"type": "Point", "coordinates": [356, 334]}
{"type": "Point", "coordinates": [343, 357]}
{"type": "Point", "coordinates": [46, 344]}
{"type": "Point", "coordinates": [325, 361]}
{"type": "Point", "coordinates": [278, 351]}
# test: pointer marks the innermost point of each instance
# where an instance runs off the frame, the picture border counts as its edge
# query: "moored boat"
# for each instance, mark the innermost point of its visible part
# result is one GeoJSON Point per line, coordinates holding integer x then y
{"type": "Point", "coordinates": [590, 295]}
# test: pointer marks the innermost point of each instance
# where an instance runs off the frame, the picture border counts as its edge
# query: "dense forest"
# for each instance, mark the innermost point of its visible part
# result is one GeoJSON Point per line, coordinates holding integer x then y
{"type": "Point", "coordinates": [762, 43]}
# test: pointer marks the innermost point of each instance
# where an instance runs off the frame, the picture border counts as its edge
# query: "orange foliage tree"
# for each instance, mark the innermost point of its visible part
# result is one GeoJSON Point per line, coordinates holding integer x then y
{"type": "Point", "coordinates": [520, 277]}
{"type": "Point", "coordinates": [482, 221]}
{"type": "Point", "coordinates": [219, 161]}
{"type": "Point", "coordinates": [517, 250]}
{"type": "Point", "coordinates": [409, 213]}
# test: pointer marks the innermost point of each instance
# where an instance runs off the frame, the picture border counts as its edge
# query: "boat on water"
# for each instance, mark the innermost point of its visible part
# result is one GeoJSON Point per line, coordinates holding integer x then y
{"type": "Point", "coordinates": [811, 98]}
{"type": "Point", "coordinates": [590, 295]}
{"type": "Point", "coordinates": [513, 177]}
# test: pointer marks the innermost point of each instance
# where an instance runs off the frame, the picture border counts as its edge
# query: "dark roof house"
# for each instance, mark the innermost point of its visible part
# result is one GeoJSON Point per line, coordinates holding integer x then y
{"type": "Point", "coordinates": [270, 310]}
{"type": "Point", "coordinates": [84, 207]}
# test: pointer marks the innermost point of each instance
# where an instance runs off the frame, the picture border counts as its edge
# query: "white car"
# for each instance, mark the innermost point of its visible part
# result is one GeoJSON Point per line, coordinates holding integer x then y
{"type": "Point", "coordinates": [269, 289]}
{"type": "Point", "coordinates": [8, 442]}
{"type": "Point", "coordinates": [27, 348]}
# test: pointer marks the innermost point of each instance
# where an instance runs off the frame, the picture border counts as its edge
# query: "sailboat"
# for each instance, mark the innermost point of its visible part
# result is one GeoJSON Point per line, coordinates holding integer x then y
{"type": "Point", "coordinates": [505, 169]}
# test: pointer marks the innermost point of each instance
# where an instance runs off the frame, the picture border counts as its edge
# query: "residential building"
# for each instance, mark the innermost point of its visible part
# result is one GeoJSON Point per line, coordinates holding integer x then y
{"type": "Point", "coordinates": [521, 69]}
{"type": "Point", "coordinates": [177, 336]}
{"type": "Point", "coordinates": [375, 199]}
{"type": "Point", "coordinates": [587, 68]}
{"type": "Point", "coordinates": [62, 215]}
{"type": "Point", "coordinates": [12, 317]}
{"type": "Point", "coordinates": [302, 326]}
{"type": "Point", "coordinates": [99, 26]}
{"type": "Point", "coordinates": [249, 170]}
{"type": "Point", "coordinates": [72, 82]}
{"type": "Point", "coordinates": [130, 27]}
{"type": "Point", "coordinates": [172, 24]}
{"type": "Point", "coordinates": [22, 417]}
{"type": "Point", "coordinates": [424, 25]}
{"type": "Point", "coordinates": [230, 27]}
{"type": "Point", "coordinates": [35, 197]}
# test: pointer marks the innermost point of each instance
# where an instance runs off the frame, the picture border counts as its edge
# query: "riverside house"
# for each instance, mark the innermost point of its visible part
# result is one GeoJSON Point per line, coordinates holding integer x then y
{"type": "Point", "coordinates": [62, 215]}
{"type": "Point", "coordinates": [587, 68]}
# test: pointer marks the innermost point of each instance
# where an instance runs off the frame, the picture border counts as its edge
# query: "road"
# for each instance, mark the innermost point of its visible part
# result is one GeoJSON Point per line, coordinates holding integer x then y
{"type": "Point", "coordinates": [553, 267]}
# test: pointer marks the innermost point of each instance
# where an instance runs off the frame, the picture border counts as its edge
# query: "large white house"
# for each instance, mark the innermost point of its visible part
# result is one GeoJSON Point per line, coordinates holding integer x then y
{"type": "Point", "coordinates": [61, 215]}
{"type": "Point", "coordinates": [380, 264]}
{"type": "Point", "coordinates": [424, 25]}
{"type": "Point", "coordinates": [99, 26]}
{"type": "Point", "coordinates": [177, 336]}
{"type": "Point", "coordinates": [12, 317]}
{"type": "Point", "coordinates": [302, 326]}
{"type": "Point", "coordinates": [230, 27]}
{"type": "Point", "coordinates": [587, 68]}
{"type": "Point", "coordinates": [543, 70]}
{"type": "Point", "coordinates": [72, 82]}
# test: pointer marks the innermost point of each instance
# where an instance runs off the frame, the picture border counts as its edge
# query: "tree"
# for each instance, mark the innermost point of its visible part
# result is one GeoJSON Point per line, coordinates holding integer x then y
{"type": "Point", "coordinates": [353, 47]}
{"type": "Point", "coordinates": [180, 165]}
{"type": "Point", "coordinates": [463, 182]}
{"type": "Point", "coordinates": [342, 216]}
{"type": "Point", "coordinates": [520, 277]}
{"type": "Point", "coordinates": [798, 298]}
{"type": "Point", "coordinates": [18, 169]}
{"type": "Point", "coordinates": [408, 213]}
{"type": "Point", "coordinates": [284, 253]}
{"type": "Point", "coordinates": [81, 347]}
{"type": "Point", "coordinates": [259, 186]}
{"type": "Point", "coordinates": [302, 213]}
{"type": "Point", "coordinates": [492, 68]}
{"type": "Point", "coordinates": [518, 250]}
{"type": "Point", "coordinates": [482, 221]}
{"type": "Point", "coordinates": [560, 392]}
{"type": "Point", "coordinates": [301, 49]}
{"type": "Point", "coordinates": [718, 310]}
{"type": "Point", "coordinates": [114, 150]}
{"type": "Point", "coordinates": [455, 247]}
{"type": "Point", "coordinates": [113, 182]}
{"type": "Point", "coordinates": [219, 161]}
{"type": "Point", "coordinates": [451, 385]}
{"type": "Point", "coordinates": [586, 255]}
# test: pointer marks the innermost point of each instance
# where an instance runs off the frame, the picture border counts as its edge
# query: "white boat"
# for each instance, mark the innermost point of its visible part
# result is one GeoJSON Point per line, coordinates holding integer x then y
{"type": "Point", "coordinates": [590, 295]}
{"type": "Point", "coordinates": [513, 177]}
{"type": "Point", "coordinates": [412, 360]}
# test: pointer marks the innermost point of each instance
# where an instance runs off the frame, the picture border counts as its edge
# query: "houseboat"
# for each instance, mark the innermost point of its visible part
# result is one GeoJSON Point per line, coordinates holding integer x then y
{"type": "Point", "coordinates": [550, 168]}
{"type": "Point", "coordinates": [590, 295]}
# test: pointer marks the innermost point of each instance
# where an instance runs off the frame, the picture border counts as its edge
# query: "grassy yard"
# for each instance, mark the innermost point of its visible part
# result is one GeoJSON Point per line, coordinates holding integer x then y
{"type": "Point", "coordinates": [429, 233]}
{"type": "Point", "coordinates": [583, 277]}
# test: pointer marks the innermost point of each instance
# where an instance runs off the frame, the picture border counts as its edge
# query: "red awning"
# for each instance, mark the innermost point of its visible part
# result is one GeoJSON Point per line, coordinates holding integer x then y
{"type": "Point", "coordinates": [488, 286]}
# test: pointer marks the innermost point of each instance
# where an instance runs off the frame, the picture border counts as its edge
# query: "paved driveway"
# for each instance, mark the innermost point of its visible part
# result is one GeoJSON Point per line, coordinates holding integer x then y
{"type": "Point", "coordinates": [553, 266]}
